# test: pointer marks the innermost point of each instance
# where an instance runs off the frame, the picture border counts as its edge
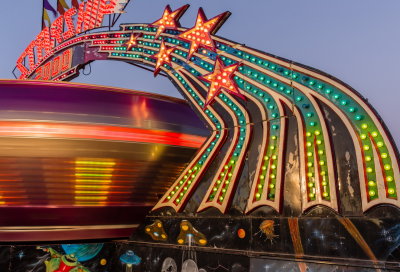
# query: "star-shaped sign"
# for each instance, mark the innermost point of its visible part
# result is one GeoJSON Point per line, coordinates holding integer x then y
{"type": "Point", "coordinates": [200, 34]}
{"type": "Point", "coordinates": [222, 78]}
{"type": "Point", "coordinates": [132, 41]}
{"type": "Point", "coordinates": [169, 19]}
{"type": "Point", "coordinates": [162, 57]}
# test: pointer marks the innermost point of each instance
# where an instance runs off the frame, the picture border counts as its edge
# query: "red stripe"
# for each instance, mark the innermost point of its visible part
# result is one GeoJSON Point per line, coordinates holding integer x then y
{"type": "Point", "coordinates": [75, 4]}
{"type": "Point", "coordinates": [60, 8]}
{"type": "Point", "coordinates": [54, 130]}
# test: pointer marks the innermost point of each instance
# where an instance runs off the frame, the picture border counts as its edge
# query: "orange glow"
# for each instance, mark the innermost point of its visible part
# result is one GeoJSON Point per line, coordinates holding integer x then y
{"type": "Point", "coordinates": [12, 192]}
{"type": "Point", "coordinates": [139, 110]}
{"type": "Point", "coordinates": [13, 197]}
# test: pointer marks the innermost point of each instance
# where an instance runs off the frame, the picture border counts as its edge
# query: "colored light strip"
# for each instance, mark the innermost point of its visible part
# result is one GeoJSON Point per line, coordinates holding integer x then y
{"type": "Point", "coordinates": [186, 183]}
{"type": "Point", "coordinates": [353, 107]}
{"type": "Point", "coordinates": [98, 163]}
{"type": "Point", "coordinates": [91, 198]}
{"type": "Point", "coordinates": [52, 130]}
{"type": "Point", "coordinates": [93, 178]}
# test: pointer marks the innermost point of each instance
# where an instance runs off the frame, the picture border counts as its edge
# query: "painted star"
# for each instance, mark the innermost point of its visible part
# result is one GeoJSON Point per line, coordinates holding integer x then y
{"type": "Point", "coordinates": [132, 41]}
{"type": "Point", "coordinates": [21, 255]}
{"type": "Point", "coordinates": [169, 19]}
{"type": "Point", "coordinates": [221, 78]}
{"type": "Point", "coordinates": [200, 34]}
{"type": "Point", "coordinates": [162, 57]}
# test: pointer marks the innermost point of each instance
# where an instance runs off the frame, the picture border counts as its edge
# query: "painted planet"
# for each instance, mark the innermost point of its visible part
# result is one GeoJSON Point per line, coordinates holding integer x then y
{"type": "Point", "coordinates": [103, 261]}
{"type": "Point", "coordinates": [83, 252]}
{"type": "Point", "coordinates": [241, 233]}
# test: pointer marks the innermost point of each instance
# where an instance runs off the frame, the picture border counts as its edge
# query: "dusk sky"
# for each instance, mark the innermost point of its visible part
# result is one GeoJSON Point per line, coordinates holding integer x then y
{"type": "Point", "coordinates": [357, 41]}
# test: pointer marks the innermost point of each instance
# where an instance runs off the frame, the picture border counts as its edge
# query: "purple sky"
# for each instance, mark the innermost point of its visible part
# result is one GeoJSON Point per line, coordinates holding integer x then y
{"type": "Point", "coordinates": [356, 41]}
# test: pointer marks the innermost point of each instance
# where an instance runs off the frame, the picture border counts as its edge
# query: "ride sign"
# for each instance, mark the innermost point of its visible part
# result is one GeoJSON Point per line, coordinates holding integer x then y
{"type": "Point", "coordinates": [88, 16]}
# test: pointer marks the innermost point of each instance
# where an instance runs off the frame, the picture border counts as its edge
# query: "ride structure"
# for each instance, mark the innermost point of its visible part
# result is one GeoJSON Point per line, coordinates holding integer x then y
{"type": "Point", "coordinates": [299, 172]}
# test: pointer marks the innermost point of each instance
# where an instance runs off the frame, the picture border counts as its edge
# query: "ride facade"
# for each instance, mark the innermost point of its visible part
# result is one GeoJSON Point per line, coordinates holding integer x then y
{"type": "Point", "coordinates": [298, 172]}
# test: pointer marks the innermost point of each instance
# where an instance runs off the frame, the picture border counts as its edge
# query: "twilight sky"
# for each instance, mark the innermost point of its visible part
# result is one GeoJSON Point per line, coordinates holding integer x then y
{"type": "Point", "coordinates": [357, 41]}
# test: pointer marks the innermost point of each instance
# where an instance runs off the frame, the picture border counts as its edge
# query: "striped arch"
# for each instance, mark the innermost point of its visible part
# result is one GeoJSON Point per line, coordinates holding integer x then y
{"type": "Point", "coordinates": [271, 84]}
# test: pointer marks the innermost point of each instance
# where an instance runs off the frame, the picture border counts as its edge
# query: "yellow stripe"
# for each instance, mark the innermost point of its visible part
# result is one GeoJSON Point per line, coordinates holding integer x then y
{"type": "Point", "coordinates": [353, 231]}
{"type": "Point", "coordinates": [46, 17]}
{"type": "Point", "coordinates": [91, 198]}
{"type": "Point", "coordinates": [64, 4]}
{"type": "Point", "coordinates": [296, 240]}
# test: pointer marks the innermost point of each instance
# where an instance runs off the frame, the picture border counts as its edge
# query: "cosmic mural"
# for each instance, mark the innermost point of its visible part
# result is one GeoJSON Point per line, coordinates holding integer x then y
{"type": "Point", "coordinates": [57, 258]}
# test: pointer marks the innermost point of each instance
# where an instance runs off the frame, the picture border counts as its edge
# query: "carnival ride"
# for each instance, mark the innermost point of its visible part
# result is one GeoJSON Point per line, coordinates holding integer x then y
{"type": "Point", "coordinates": [298, 172]}
{"type": "Point", "coordinates": [87, 162]}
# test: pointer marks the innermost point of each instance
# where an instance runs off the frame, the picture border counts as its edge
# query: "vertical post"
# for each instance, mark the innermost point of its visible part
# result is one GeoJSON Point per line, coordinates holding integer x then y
{"type": "Point", "coordinates": [42, 14]}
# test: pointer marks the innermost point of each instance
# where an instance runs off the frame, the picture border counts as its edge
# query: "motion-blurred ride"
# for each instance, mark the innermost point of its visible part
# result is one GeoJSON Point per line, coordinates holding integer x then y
{"type": "Point", "coordinates": [87, 162]}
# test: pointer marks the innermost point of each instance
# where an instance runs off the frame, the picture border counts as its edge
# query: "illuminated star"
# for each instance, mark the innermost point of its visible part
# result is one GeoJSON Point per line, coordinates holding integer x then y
{"type": "Point", "coordinates": [169, 19]}
{"type": "Point", "coordinates": [221, 78]}
{"type": "Point", "coordinates": [132, 41]}
{"type": "Point", "coordinates": [200, 34]}
{"type": "Point", "coordinates": [162, 57]}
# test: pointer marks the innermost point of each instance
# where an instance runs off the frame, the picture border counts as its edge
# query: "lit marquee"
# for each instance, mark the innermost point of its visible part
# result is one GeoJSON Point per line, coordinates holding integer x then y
{"type": "Point", "coordinates": [169, 19]}
{"type": "Point", "coordinates": [200, 34]}
{"type": "Point", "coordinates": [55, 67]}
{"type": "Point", "coordinates": [43, 43]}
{"type": "Point", "coordinates": [90, 15]}
{"type": "Point", "coordinates": [221, 78]}
{"type": "Point", "coordinates": [162, 57]}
